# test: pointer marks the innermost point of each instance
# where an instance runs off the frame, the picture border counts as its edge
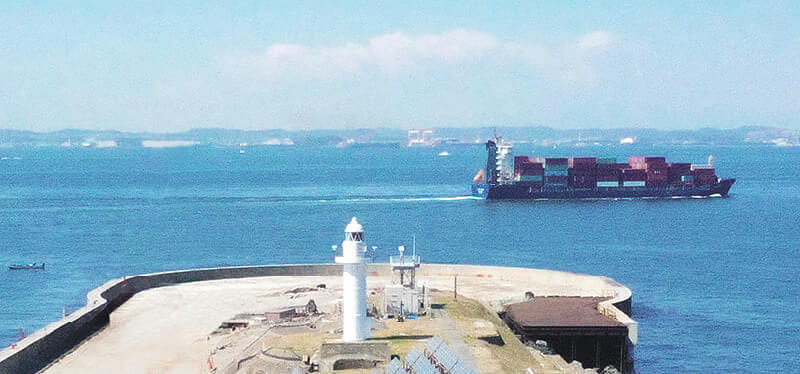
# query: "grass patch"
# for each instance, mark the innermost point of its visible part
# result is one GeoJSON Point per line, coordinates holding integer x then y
{"type": "Point", "coordinates": [301, 344]}
{"type": "Point", "coordinates": [511, 355]}
{"type": "Point", "coordinates": [403, 336]}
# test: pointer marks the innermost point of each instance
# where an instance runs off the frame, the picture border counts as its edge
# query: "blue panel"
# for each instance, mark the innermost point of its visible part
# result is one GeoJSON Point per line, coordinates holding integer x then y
{"type": "Point", "coordinates": [395, 367]}
{"type": "Point", "coordinates": [413, 356]}
{"type": "Point", "coordinates": [424, 367]}
{"type": "Point", "coordinates": [433, 345]}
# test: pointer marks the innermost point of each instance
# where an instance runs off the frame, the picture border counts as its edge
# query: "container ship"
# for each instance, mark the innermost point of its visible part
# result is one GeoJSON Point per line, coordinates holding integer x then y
{"type": "Point", "coordinates": [523, 177]}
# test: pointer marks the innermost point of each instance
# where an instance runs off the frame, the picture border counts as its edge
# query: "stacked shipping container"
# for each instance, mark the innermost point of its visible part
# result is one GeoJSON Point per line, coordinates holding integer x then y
{"type": "Point", "coordinates": [556, 171]}
{"type": "Point", "coordinates": [609, 172]}
{"type": "Point", "coordinates": [589, 172]}
{"type": "Point", "coordinates": [528, 171]}
{"type": "Point", "coordinates": [705, 176]}
{"type": "Point", "coordinates": [680, 173]}
{"type": "Point", "coordinates": [583, 172]}
{"type": "Point", "coordinates": [634, 177]}
{"type": "Point", "coordinates": [655, 167]}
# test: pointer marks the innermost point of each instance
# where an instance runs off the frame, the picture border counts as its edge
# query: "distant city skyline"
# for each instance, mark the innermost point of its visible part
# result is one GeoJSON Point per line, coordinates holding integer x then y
{"type": "Point", "coordinates": [170, 67]}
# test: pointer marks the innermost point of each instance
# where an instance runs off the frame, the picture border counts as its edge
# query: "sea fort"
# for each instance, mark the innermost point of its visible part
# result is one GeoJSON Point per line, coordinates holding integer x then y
{"type": "Point", "coordinates": [352, 316]}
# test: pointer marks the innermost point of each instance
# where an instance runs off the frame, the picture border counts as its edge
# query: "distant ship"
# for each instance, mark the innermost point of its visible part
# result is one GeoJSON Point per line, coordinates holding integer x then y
{"type": "Point", "coordinates": [522, 177]}
{"type": "Point", "coordinates": [33, 266]}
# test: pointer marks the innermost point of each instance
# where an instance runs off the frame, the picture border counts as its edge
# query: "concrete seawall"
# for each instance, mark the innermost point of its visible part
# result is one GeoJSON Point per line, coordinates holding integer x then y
{"type": "Point", "coordinates": [47, 344]}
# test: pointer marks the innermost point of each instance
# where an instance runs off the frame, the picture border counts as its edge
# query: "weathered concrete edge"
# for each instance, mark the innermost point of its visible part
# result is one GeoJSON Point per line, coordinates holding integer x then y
{"type": "Point", "coordinates": [44, 346]}
{"type": "Point", "coordinates": [619, 308]}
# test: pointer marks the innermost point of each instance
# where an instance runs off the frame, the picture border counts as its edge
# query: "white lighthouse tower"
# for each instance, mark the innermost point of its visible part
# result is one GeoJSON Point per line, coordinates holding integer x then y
{"type": "Point", "coordinates": [356, 325]}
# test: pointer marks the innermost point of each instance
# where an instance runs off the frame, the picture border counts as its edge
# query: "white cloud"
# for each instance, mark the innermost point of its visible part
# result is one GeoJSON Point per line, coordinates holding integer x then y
{"type": "Point", "coordinates": [596, 39]}
{"type": "Point", "coordinates": [398, 52]}
{"type": "Point", "coordinates": [578, 62]}
{"type": "Point", "coordinates": [390, 53]}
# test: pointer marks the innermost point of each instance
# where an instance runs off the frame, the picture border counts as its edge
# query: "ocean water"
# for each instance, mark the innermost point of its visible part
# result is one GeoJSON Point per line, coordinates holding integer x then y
{"type": "Point", "coordinates": [714, 280]}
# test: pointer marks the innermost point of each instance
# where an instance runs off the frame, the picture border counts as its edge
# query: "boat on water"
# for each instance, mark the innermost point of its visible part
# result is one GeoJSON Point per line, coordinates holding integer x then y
{"type": "Point", "coordinates": [523, 177]}
{"type": "Point", "coordinates": [33, 266]}
{"type": "Point", "coordinates": [444, 153]}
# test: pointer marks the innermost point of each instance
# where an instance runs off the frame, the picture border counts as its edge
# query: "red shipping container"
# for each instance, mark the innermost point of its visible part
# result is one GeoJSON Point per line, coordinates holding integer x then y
{"type": "Point", "coordinates": [526, 165]}
{"type": "Point", "coordinates": [657, 174]}
{"type": "Point", "coordinates": [680, 167]}
{"type": "Point", "coordinates": [586, 171]}
{"type": "Point", "coordinates": [634, 175]}
{"type": "Point", "coordinates": [677, 170]}
{"type": "Point", "coordinates": [646, 162]}
{"type": "Point", "coordinates": [582, 162]}
{"type": "Point", "coordinates": [705, 176]}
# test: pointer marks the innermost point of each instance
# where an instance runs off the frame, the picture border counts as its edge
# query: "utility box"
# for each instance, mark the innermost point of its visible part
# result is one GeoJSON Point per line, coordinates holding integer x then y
{"type": "Point", "coordinates": [401, 300]}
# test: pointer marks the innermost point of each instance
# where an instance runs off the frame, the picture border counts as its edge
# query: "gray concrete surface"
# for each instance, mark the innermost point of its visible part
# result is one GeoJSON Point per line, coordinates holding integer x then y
{"type": "Point", "coordinates": [493, 286]}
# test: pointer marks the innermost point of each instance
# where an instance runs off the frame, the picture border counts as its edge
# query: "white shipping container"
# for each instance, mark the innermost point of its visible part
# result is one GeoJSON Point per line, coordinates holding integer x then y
{"type": "Point", "coordinates": [633, 184]}
{"type": "Point", "coordinates": [607, 184]}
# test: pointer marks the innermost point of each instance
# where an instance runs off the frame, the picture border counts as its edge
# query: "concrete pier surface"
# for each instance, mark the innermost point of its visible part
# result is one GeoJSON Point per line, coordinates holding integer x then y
{"type": "Point", "coordinates": [162, 323]}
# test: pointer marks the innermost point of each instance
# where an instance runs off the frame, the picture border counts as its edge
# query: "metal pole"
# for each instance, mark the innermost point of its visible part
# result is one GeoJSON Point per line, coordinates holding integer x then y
{"type": "Point", "coordinates": [455, 287]}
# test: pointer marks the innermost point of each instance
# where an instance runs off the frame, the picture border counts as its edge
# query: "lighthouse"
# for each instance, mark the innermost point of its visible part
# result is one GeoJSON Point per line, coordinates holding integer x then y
{"type": "Point", "coordinates": [355, 323]}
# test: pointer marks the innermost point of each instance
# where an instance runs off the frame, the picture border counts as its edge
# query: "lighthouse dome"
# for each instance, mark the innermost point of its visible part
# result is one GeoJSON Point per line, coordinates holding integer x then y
{"type": "Point", "coordinates": [353, 226]}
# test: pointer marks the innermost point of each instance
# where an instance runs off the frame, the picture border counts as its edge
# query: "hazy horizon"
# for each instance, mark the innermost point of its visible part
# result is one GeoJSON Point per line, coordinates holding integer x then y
{"type": "Point", "coordinates": [171, 67]}
{"type": "Point", "coordinates": [180, 131]}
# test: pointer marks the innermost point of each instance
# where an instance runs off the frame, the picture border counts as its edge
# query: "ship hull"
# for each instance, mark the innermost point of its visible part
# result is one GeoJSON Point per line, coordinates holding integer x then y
{"type": "Point", "coordinates": [523, 192]}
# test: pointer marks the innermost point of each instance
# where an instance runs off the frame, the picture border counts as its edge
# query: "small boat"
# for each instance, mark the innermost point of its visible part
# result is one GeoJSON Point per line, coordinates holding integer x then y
{"type": "Point", "coordinates": [33, 266]}
{"type": "Point", "coordinates": [444, 153]}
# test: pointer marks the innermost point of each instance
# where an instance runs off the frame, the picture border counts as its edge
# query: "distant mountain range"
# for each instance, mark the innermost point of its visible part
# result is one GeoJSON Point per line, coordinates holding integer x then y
{"type": "Point", "coordinates": [381, 136]}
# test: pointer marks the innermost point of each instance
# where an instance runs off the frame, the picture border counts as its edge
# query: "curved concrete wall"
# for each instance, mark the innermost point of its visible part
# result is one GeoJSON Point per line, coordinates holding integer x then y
{"type": "Point", "coordinates": [618, 307]}
{"type": "Point", "coordinates": [47, 344]}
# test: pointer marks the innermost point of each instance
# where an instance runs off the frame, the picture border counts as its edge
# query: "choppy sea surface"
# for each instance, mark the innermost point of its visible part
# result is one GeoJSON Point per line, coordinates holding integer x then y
{"type": "Point", "coordinates": [715, 281]}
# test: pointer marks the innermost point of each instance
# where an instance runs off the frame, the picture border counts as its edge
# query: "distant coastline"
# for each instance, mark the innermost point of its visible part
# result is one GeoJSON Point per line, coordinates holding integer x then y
{"type": "Point", "coordinates": [343, 138]}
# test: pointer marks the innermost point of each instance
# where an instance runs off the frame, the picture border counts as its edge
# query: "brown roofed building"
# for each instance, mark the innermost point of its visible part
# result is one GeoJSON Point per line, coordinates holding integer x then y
{"type": "Point", "coordinates": [573, 327]}
{"type": "Point", "coordinates": [289, 312]}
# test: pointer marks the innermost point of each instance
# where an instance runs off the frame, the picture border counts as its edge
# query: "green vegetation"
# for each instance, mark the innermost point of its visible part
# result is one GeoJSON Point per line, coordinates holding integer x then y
{"type": "Point", "coordinates": [506, 353]}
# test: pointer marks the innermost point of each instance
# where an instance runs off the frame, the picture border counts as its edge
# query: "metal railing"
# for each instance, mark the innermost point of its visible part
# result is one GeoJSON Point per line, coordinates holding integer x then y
{"type": "Point", "coordinates": [404, 261]}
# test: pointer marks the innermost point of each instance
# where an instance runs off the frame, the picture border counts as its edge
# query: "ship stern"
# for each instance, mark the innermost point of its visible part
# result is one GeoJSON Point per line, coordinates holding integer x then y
{"type": "Point", "coordinates": [480, 190]}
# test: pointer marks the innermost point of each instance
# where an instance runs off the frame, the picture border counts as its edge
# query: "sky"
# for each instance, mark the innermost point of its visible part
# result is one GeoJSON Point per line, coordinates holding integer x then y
{"type": "Point", "coordinates": [169, 66]}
